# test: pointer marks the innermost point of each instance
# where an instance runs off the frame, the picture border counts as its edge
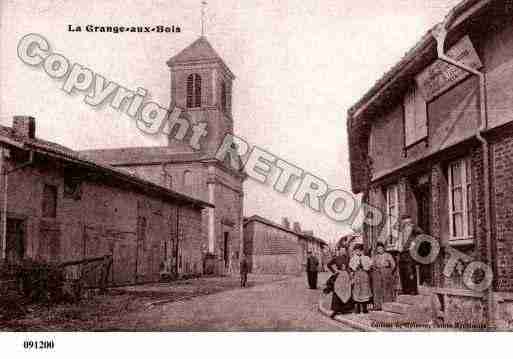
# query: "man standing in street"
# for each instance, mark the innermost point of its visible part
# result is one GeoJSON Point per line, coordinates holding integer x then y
{"type": "Point", "coordinates": [244, 269]}
{"type": "Point", "coordinates": [312, 268]}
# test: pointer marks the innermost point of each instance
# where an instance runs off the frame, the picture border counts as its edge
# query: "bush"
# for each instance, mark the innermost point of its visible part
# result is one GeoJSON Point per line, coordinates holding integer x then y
{"type": "Point", "coordinates": [32, 282]}
{"type": "Point", "coordinates": [42, 282]}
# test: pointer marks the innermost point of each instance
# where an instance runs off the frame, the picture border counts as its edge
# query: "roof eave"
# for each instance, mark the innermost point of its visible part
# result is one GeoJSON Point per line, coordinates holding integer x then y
{"type": "Point", "coordinates": [111, 171]}
{"type": "Point", "coordinates": [10, 142]}
{"type": "Point", "coordinates": [373, 99]}
{"type": "Point", "coordinates": [460, 13]}
{"type": "Point", "coordinates": [213, 61]}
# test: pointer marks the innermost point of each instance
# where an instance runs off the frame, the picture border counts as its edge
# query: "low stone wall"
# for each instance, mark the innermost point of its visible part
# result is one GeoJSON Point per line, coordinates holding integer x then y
{"type": "Point", "coordinates": [503, 310]}
{"type": "Point", "coordinates": [465, 311]}
{"type": "Point", "coordinates": [469, 308]}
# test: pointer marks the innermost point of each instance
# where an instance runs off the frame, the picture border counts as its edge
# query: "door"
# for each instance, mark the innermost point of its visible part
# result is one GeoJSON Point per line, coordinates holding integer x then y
{"type": "Point", "coordinates": [226, 254]}
{"type": "Point", "coordinates": [142, 260]}
{"type": "Point", "coordinates": [423, 197]}
{"type": "Point", "coordinates": [174, 244]}
{"type": "Point", "coordinates": [15, 241]}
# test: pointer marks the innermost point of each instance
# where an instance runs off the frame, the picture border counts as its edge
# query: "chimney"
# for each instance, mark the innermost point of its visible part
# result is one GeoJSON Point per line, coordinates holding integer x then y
{"type": "Point", "coordinates": [297, 227]}
{"type": "Point", "coordinates": [24, 126]}
{"type": "Point", "coordinates": [285, 222]}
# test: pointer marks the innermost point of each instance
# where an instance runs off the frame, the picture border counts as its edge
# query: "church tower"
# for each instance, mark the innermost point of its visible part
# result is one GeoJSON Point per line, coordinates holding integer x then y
{"type": "Point", "coordinates": [201, 85]}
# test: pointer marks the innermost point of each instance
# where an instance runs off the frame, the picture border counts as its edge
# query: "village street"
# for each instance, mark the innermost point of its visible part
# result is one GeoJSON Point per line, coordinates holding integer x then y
{"type": "Point", "coordinates": [282, 305]}
{"type": "Point", "coordinates": [269, 302]}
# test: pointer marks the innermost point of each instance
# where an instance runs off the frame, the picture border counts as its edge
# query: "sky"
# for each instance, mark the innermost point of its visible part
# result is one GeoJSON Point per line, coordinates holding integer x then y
{"type": "Point", "coordinates": [299, 66]}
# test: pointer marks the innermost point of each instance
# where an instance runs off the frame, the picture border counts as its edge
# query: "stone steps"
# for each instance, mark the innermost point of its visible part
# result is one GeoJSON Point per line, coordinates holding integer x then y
{"type": "Point", "coordinates": [413, 299]}
{"type": "Point", "coordinates": [406, 309]}
{"type": "Point", "coordinates": [407, 312]}
{"type": "Point", "coordinates": [399, 308]}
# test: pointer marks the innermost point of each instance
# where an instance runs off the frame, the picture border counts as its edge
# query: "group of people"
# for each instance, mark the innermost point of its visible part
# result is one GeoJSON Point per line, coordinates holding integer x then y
{"type": "Point", "coordinates": [358, 280]}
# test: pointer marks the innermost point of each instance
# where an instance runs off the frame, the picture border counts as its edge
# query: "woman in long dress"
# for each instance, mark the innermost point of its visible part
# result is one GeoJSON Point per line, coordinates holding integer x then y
{"type": "Point", "coordinates": [360, 265]}
{"type": "Point", "coordinates": [340, 285]}
{"type": "Point", "coordinates": [383, 265]}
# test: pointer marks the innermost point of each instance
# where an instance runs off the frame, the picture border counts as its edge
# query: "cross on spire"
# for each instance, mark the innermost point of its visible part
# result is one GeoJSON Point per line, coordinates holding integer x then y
{"type": "Point", "coordinates": [203, 6]}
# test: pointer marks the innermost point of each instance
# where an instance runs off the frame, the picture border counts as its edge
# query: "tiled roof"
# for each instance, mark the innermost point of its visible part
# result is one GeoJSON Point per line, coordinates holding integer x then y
{"type": "Point", "coordinates": [131, 156]}
{"type": "Point", "coordinates": [257, 218]}
{"type": "Point", "coordinates": [199, 51]}
{"type": "Point", "coordinates": [141, 155]}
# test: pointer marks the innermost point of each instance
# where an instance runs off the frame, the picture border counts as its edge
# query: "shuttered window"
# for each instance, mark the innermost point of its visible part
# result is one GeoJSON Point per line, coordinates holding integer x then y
{"type": "Point", "coordinates": [460, 199]}
{"type": "Point", "coordinates": [415, 117]}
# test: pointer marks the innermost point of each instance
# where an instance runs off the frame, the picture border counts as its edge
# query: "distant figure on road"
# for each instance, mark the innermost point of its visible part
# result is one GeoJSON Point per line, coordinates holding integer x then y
{"type": "Point", "coordinates": [244, 269]}
{"type": "Point", "coordinates": [312, 269]}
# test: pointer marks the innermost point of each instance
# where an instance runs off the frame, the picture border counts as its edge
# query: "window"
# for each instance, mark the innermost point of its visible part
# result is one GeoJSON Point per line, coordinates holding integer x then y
{"type": "Point", "coordinates": [72, 186]}
{"type": "Point", "coordinates": [415, 117]}
{"type": "Point", "coordinates": [223, 97]}
{"type": "Point", "coordinates": [392, 210]}
{"type": "Point", "coordinates": [49, 201]}
{"type": "Point", "coordinates": [187, 178]}
{"type": "Point", "coordinates": [460, 199]}
{"type": "Point", "coordinates": [193, 91]}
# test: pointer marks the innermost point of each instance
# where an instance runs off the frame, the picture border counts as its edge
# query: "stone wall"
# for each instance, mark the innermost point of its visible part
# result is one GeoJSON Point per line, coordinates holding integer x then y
{"type": "Point", "coordinates": [465, 311]}
{"type": "Point", "coordinates": [227, 199]}
{"type": "Point", "coordinates": [275, 250]}
{"type": "Point", "coordinates": [502, 155]}
{"type": "Point", "coordinates": [105, 219]}
{"type": "Point", "coordinates": [277, 264]}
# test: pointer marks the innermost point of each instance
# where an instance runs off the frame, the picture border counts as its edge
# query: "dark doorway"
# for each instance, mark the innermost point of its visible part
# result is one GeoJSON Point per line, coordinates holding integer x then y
{"type": "Point", "coordinates": [141, 258]}
{"type": "Point", "coordinates": [226, 254]}
{"type": "Point", "coordinates": [423, 197]}
{"type": "Point", "coordinates": [15, 244]}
